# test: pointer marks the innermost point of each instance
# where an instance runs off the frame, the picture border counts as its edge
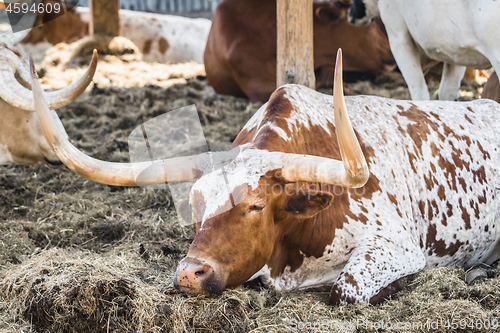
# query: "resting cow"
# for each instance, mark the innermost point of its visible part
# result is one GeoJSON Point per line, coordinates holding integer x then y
{"type": "Point", "coordinates": [309, 201]}
{"type": "Point", "coordinates": [457, 32]}
{"type": "Point", "coordinates": [21, 137]}
{"type": "Point", "coordinates": [491, 89]}
{"type": "Point", "coordinates": [240, 56]}
{"type": "Point", "coordinates": [160, 38]}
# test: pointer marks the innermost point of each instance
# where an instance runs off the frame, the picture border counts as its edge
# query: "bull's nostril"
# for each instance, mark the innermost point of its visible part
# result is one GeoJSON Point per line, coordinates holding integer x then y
{"type": "Point", "coordinates": [203, 271]}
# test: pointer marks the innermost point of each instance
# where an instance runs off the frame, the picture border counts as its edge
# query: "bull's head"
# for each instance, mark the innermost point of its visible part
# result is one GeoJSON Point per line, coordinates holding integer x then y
{"type": "Point", "coordinates": [21, 137]}
{"type": "Point", "coordinates": [235, 212]}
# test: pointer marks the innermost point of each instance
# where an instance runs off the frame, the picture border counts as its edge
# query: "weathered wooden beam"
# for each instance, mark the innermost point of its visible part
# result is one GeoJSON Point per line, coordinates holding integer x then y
{"type": "Point", "coordinates": [104, 17]}
{"type": "Point", "coordinates": [295, 63]}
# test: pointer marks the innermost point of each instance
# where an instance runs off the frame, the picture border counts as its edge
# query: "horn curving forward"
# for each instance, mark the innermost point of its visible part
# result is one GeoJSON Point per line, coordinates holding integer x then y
{"type": "Point", "coordinates": [352, 171]}
{"type": "Point", "coordinates": [19, 96]}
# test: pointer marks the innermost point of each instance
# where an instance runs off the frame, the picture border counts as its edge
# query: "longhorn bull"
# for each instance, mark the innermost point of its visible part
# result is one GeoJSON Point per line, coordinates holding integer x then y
{"type": "Point", "coordinates": [312, 200]}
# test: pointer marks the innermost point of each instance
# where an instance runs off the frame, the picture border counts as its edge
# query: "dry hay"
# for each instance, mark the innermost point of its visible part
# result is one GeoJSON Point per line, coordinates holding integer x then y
{"type": "Point", "coordinates": [76, 256]}
{"type": "Point", "coordinates": [120, 65]}
{"type": "Point", "coordinates": [126, 291]}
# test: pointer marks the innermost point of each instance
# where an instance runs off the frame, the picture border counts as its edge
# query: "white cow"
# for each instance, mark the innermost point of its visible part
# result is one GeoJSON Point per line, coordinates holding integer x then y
{"type": "Point", "coordinates": [457, 32]}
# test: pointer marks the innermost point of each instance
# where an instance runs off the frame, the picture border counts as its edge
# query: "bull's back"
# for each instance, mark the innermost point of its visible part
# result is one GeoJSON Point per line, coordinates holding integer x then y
{"type": "Point", "coordinates": [447, 157]}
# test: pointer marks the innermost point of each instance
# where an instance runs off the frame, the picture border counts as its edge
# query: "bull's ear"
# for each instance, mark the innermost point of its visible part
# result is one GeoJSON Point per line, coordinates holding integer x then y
{"type": "Point", "coordinates": [184, 210]}
{"type": "Point", "coordinates": [328, 13]}
{"type": "Point", "coordinates": [306, 203]}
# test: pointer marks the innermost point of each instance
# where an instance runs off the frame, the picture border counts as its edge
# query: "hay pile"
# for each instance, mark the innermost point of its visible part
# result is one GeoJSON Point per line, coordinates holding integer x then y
{"type": "Point", "coordinates": [76, 256]}
{"type": "Point", "coordinates": [130, 291]}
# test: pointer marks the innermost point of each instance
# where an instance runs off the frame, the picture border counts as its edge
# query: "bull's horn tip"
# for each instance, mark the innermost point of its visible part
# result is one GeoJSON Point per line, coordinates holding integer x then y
{"type": "Point", "coordinates": [338, 63]}
{"type": "Point", "coordinates": [32, 65]}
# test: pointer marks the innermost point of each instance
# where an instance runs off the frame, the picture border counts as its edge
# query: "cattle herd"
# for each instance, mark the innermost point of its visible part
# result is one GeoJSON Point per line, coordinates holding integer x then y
{"type": "Point", "coordinates": [354, 192]}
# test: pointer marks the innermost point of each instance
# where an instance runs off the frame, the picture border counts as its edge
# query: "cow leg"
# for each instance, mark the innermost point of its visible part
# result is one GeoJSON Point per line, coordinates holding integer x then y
{"type": "Point", "coordinates": [370, 271]}
{"type": "Point", "coordinates": [450, 82]}
{"type": "Point", "coordinates": [407, 55]}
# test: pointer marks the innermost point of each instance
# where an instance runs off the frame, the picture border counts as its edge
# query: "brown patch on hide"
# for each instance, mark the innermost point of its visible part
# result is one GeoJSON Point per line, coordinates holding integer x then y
{"type": "Point", "coordinates": [163, 45]}
{"type": "Point", "coordinates": [438, 247]}
{"type": "Point", "coordinates": [146, 49]}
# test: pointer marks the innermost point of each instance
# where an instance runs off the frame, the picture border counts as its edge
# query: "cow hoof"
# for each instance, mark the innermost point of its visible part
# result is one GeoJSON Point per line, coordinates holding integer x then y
{"type": "Point", "coordinates": [386, 293]}
{"type": "Point", "coordinates": [480, 271]}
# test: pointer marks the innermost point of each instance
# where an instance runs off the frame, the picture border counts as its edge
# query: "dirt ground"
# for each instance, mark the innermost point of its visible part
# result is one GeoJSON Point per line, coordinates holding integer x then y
{"type": "Point", "coordinates": [76, 256]}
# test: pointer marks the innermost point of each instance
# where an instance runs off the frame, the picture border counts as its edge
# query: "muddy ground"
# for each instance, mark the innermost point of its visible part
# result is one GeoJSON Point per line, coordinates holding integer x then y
{"type": "Point", "coordinates": [76, 256]}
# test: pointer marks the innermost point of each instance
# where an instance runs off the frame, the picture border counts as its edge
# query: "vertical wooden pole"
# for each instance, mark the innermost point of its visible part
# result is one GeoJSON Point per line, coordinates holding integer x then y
{"type": "Point", "coordinates": [104, 17]}
{"type": "Point", "coordinates": [295, 63]}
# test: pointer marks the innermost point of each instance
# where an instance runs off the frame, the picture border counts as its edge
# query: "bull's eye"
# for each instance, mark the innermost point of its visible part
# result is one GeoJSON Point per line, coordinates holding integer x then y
{"type": "Point", "coordinates": [256, 208]}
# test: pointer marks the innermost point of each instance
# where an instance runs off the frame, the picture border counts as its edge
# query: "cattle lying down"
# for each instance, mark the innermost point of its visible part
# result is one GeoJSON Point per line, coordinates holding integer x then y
{"type": "Point", "coordinates": [491, 89]}
{"type": "Point", "coordinates": [412, 187]}
{"type": "Point", "coordinates": [457, 32]}
{"type": "Point", "coordinates": [160, 38]}
{"type": "Point", "coordinates": [163, 38]}
{"type": "Point", "coordinates": [240, 56]}
{"type": "Point", "coordinates": [21, 136]}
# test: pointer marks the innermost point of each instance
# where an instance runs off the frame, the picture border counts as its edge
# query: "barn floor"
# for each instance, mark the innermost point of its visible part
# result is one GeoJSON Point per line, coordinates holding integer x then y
{"type": "Point", "coordinates": [76, 256]}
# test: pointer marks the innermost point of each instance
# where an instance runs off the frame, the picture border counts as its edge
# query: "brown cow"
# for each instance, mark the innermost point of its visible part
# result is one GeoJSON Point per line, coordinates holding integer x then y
{"type": "Point", "coordinates": [240, 56]}
{"type": "Point", "coordinates": [491, 89]}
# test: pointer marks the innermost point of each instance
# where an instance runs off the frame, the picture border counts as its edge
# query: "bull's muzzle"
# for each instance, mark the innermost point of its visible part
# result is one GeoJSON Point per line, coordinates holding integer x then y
{"type": "Point", "coordinates": [195, 276]}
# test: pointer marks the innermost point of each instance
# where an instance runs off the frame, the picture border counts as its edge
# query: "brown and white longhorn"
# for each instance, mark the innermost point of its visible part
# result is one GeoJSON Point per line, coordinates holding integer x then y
{"type": "Point", "coordinates": [300, 208]}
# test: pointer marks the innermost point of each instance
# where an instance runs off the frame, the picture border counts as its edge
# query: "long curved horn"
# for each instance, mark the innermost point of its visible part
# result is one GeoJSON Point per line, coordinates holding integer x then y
{"type": "Point", "coordinates": [352, 171]}
{"type": "Point", "coordinates": [17, 95]}
{"type": "Point", "coordinates": [119, 174]}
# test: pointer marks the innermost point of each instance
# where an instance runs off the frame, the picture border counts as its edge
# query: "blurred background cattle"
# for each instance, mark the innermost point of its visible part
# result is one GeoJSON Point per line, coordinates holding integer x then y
{"type": "Point", "coordinates": [21, 136]}
{"type": "Point", "coordinates": [240, 57]}
{"type": "Point", "coordinates": [420, 37]}
{"type": "Point", "coordinates": [491, 89]}
{"type": "Point", "coordinates": [160, 38]}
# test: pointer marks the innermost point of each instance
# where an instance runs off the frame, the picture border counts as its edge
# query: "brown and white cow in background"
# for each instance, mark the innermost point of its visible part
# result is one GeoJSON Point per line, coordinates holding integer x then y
{"type": "Point", "coordinates": [304, 218]}
{"type": "Point", "coordinates": [160, 38]}
{"type": "Point", "coordinates": [240, 57]}
{"type": "Point", "coordinates": [21, 137]}
{"type": "Point", "coordinates": [163, 38]}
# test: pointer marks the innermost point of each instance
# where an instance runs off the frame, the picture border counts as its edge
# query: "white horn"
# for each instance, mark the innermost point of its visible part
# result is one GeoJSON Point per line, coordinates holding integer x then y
{"type": "Point", "coordinates": [17, 95]}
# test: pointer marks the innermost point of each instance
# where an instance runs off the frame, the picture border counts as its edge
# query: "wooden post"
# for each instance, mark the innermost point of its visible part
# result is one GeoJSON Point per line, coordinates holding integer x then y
{"type": "Point", "coordinates": [295, 63]}
{"type": "Point", "coordinates": [104, 17]}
